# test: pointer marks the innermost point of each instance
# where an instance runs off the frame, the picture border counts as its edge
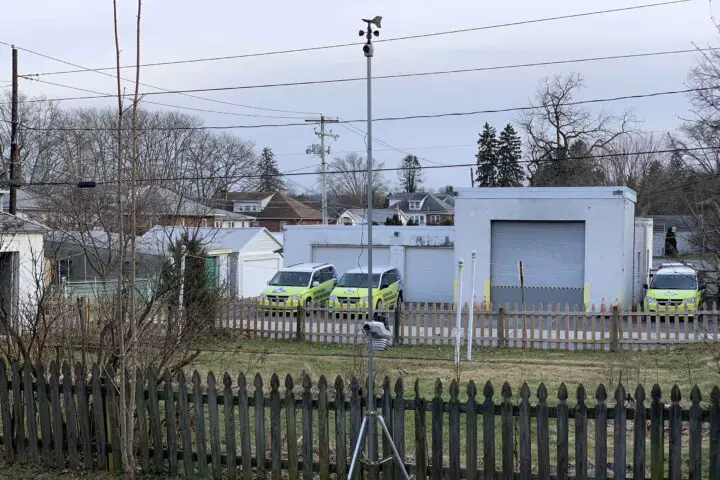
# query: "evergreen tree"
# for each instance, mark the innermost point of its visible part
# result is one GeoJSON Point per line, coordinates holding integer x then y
{"type": "Point", "coordinates": [270, 178]}
{"type": "Point", "coordinates": [410, 174]}
{"type": "Point", "coordinates": [509, 171]}
{"type": "Point", "coordinates": [487, 159]}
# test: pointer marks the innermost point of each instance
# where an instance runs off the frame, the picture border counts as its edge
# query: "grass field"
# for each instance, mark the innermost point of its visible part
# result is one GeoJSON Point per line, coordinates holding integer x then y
{"type": "Point", "coordinates": [682, 366]}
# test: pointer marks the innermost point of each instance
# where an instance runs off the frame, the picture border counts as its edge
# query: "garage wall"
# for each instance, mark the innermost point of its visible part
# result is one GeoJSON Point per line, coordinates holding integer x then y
{"type": "Point", "coordinates": [608, 213]}
{"type": "Point", "coordinates": [429, 274]}
{"type": "Point", "coordinates": [347, 258]}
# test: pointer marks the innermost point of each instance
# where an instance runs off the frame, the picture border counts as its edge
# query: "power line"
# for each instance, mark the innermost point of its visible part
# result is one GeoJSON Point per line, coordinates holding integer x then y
{"type": "Point", "coordinates": [186, 92]}
{"type": "Point", "coordinates": [85, 69]}
{"type": "Point", "coordinates": [391, 39]}
{"type": "Point", "coordinates": [384, 169]}
{"type": "Point", "coordinates": [408, 117]}
{"type": "Point", "coordinates": [194, 109]}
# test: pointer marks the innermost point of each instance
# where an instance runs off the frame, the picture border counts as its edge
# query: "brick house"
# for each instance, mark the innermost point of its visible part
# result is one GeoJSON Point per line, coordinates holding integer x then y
{"type": "Point", "coordinates": [424, 208]}
{"type": "Point", "coordinates": [271, 210]}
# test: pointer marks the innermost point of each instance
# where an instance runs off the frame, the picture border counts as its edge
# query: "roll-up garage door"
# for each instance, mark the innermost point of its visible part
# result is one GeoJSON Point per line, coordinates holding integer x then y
{"type": "Point", "coordinates": [553, 256]}
{"type": "Point", "coordinates": [346, 258]}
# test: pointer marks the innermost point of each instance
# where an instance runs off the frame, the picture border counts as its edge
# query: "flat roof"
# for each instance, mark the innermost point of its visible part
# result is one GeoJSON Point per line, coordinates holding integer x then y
{"type": "Point", "coordinates": [523, 193]}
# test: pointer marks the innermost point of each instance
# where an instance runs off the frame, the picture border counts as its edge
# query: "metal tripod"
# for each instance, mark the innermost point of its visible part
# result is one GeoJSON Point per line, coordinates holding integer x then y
{"type": "Point", "coordinates": [373, 415]}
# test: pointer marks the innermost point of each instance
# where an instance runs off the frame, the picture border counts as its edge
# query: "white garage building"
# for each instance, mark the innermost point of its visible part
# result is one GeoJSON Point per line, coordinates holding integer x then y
{"type": "Point", "coordinates": [244, 259]}
{"type": "Point", "coordinates": [424, 255]}
{"type": "Point", "coordinates": [576, 244]}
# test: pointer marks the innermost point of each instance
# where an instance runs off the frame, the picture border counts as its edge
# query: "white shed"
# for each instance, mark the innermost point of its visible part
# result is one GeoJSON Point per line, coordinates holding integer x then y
{"type": "Point", "coordinates": [576, 244]}
{"type": "Point", "coordinates": [245, 258]}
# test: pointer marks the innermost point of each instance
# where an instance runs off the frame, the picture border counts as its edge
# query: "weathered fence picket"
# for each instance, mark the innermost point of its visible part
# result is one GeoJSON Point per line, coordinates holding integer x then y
{"type": "Point", "coordinates": [51, 409]}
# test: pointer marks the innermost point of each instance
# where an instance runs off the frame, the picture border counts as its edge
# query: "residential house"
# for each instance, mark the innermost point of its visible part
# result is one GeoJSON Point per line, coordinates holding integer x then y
{"type": "Point", "coordinates": [271, 210]}
{"type": "Point", "coordinates": [422, 208]}
{"type": "Point", "coordinates": [358, 216]}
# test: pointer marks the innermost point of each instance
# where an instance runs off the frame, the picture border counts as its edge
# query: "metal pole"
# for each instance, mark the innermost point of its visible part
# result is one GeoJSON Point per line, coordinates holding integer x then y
{"type": "Point", "coordinates": [458, 314]}
{"type": "Point", "coordinates": [13, 135]}
{"type": "Point", "coordinates": [471, 318]}
{"type": "Point", "coordinates": [372, 441]}
{"type": "Point", "coordinates": [324, 168]}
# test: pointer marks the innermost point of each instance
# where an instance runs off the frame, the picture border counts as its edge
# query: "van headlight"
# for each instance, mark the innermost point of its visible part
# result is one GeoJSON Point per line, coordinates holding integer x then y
{"type": "Point", "coordinates": [333, 298]}
{"type": "Point", "coordinates": [263, 296]}
{"type": "Point", "coordinates": [689, 301]}
{"type": "Point", "coordinates": [364, 299]}
{"type": "Point", "coordinates": [294, 296]}
{"type": "Point", "coordinates": [650, 299]}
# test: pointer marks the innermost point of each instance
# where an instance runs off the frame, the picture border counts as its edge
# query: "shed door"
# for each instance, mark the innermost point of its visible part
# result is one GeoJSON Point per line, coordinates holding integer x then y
{"type": "Point", "coordinates": [553, 256]}
{"type": "Point", "coordinates": [256, 274]}
{"type": "Point", "coordinates": [346, 258]}
{"type": "Point", "coordinates": [212, 273]}
{"type": "Point", "coordinates": [429, 274]}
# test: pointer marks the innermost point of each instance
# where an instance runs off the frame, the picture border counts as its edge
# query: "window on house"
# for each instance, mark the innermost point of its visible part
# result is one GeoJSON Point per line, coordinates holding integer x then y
{"type": "Point", "coordinates": [434, 220]}
{"type": "Point", "coordinates": [414, 205]}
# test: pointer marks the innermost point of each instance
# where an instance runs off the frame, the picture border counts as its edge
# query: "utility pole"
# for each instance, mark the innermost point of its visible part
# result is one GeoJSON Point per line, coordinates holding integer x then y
{"type": "Point", "coordinates": [14, 154]}
{"type": "Point", "coordinates": [316, 149]}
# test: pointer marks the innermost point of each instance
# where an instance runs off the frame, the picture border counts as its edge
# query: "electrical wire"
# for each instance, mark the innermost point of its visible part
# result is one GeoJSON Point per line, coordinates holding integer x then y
{"type": "Point", "coordinates": [384, 169]}
{"type": "Point", "coordinates": [406, 117]}
{"type": "Point", "coordinates": [381, 77]}
{"type": "Point", "coordinates": [382, 40]}
{"type": "Point", "coordinates": [49, 57]}
{"type": "Point", "coordinates": [165, 104]}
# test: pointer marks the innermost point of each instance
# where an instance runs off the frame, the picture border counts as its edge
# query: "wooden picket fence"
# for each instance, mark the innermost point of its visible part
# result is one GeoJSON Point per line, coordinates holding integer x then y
{"type": "Point", "coordinates": [65, 420]}
{"type": "Point", "coordinates": [543, 327]}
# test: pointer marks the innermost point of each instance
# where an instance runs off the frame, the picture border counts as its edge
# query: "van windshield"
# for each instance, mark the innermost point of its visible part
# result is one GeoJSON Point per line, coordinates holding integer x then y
{"type": "Point", "coordinates": [674, 281]}
{"type": "Point", "coordinates": [357, 280]}
{"type": "Point", "coordinates": [290, 279]}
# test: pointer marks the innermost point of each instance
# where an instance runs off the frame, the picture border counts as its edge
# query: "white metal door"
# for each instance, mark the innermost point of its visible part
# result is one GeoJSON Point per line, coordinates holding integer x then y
{"type": "Point", "coordinates": [256, 273]}
{"type": "Point", "coordinates": [553, 256]}
{"type": "Point", "coordinates": [346, 258]}
{"type": "Point", "coordinates": [429, 274]}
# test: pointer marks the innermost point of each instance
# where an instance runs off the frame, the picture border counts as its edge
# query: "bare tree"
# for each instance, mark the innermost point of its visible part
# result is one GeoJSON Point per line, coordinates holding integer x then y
{"type": "Point", "coordinates": [347, 181]}
{"type": "Point", "coordinates": [562, 137]}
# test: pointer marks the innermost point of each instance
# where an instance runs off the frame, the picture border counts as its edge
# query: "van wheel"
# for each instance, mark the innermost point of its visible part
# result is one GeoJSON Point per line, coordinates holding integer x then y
{"type": "Point", "coordinates": [399, 304]}
{"type": "Point", "coordinates": [308, 304]}
{"type": "Point", "coordinates": [378, 306]}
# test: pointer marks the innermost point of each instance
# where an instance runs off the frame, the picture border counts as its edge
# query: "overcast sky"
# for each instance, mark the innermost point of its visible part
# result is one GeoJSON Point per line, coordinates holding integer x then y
{"type": "Point", "coordinates": [80, 31]}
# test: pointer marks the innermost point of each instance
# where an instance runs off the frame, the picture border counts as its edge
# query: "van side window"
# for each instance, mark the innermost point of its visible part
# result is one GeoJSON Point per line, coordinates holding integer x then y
{"type": "Point", "coordinates": [316, 277]}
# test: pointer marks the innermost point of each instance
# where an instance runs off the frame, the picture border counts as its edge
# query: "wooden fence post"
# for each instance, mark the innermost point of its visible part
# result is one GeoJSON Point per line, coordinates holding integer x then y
{"type": "Point", "coordinates": [98, 418]}
{"type": "Point", "coordinates": [340, 429]}
{"type": "Point", "coordinates": [142, 425]}
{"type": "Point", "coordinates": [397, 326]}
{"type": "Point", "coordinates": [154, 408]}
{"type": "Point", "coordinates": [543, 433]}
{"type": "Point", "coordinates": [619, 434]}
{"type": "Point", "coordinates": [185, 430]}
{"type": "Point", "coordinates": [386, 406]}
{"type": "Point", "coordinates": [471, 432]}
{"type": "Point", "coordinates": [229, 409]}
{"type": "Point", "coordinates": [260, 443]}
{"type": "Point", "coordinates": [44, 413]}
{"type": "Point", "coordinates": [614, 329]}
{"type": "Point", "coordinates": [291, 423]}
{"type": "Point", "coordinates": [640, 435]}
{"type": "Point", "coordinates": [454, 430]}
{"type": "Point", "coordinates": [563, 458]}
{"type": "Point", "coordinates": [31, 418]}
{"type": "Point", "coordinates": [500, 327]}
{"type": "Point", "coordinates": [581, 449]}
{"type": "Point", "coordinates": [170, 425]}
{"type": "Point", "coordinates": [244, 421]}
{"type": "Point", "coordinates": [398, 425]}
{"type": "Point", "coordinates": [300, 324]}
{"type": "Point", "coordinates": [489, 432]}
{"type": "Point", "coordinates": [601, 433]}
{"type": "Point", "coordinates": [275, 435]}
{"type": "Point", "coordinates": [307, 428]}
{"type": "Point", "coordinates": [70, 417]}
{"type": "Point", "coordinates": [199, 425]}
{"type": "Point", "coordinates": [508, 467]}
{"type": "Point", "coordinates": [214, 426]}
{"type": "Point", "coordinates": [695, 455]}
{"type": "Point", "coordinates": [525, 452]}
{"type": "Point", "coordinates": [57, 420]}
{"type": "Point", "coordinates": [420, 435]}
{"type": "Point", "coordinates": [83, 414]}
{"type": "Point", "coordinates": [323, 429]}
{"type": "Point", "coordinates": [714, 469]}
{"type": "Point", "coordinates": [19, 414]}
{"type": "Point", "coordinates": [675, 425]}
{"type": "Point", "coordinates": [436, 462]}
{"type": "Point", "coordinates": [657, 435]}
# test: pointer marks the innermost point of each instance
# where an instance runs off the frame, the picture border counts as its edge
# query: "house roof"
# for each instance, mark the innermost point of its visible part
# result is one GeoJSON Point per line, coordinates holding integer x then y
{"type": "Point", "coordinates": [431, 202]}
{"type": "Point", "coordinates": [10, 224]}
{"type": "Point", "coordinates": [26, 201]}
{"type": "Point", "coordinates": [359, 215]}
{"type": "Point", "coordinates": [157, 239]}
{"type": "Point", "coordinates": [161, 201]}
{"type": "Point", "coordinates": [280, 206]}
